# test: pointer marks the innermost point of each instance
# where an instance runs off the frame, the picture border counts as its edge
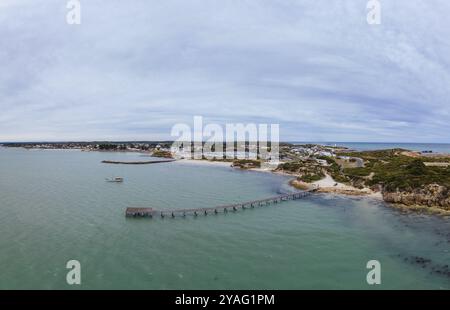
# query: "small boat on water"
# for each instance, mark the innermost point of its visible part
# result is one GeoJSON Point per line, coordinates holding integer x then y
{"type": "Point", "coordinates": [115, 180]}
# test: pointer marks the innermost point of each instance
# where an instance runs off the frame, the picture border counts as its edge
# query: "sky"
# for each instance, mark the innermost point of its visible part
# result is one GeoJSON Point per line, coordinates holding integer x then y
{"type": "Point", "coordinates": [133, 69]}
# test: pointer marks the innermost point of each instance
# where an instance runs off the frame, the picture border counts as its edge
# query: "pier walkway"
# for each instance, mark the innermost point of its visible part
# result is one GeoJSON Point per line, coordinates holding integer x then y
{"type": "Point", "coordinates": [150, 212]}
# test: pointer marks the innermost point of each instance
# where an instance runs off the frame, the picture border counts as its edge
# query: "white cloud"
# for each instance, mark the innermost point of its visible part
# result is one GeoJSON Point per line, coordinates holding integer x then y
{"type": "Point", "coordinates": [132, 69]}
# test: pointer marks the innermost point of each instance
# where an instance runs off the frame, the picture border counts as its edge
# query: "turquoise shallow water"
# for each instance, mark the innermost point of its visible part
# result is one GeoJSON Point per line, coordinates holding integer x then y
{"type": "Point", "coordinates": [55, 206]}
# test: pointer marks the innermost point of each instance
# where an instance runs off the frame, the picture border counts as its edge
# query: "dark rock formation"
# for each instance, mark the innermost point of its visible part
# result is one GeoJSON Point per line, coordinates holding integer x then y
{"type": "Point", "coordinates": [433, 195]}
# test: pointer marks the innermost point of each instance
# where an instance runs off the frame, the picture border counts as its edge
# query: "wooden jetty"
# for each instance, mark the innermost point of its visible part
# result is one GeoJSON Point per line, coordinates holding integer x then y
{"type": "Point", "coordinates": [172, 213]}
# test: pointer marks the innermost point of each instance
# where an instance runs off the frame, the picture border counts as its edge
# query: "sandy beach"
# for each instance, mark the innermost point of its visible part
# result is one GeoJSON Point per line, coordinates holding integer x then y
{"type": "Point", "coordinates": [329, 185]}
{"type": "Point", "coordinates": [204, 162]}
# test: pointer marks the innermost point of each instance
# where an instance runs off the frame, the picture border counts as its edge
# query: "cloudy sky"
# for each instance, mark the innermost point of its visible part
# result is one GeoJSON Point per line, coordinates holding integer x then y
{"type": "Point", "coordinates": [134, 68]}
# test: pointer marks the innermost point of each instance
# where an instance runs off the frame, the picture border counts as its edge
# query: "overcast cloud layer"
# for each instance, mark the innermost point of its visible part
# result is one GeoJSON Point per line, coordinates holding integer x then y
{"type": "Point", "coordinates": [134, 68]}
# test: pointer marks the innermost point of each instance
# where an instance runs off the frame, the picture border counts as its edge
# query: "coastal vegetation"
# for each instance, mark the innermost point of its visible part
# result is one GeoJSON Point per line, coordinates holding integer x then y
{"type": "Point", "coordinates": [298, 184]}
{"type": "Point", "coordinates": [306, 171]}
{"type": "Point", "coordinates": [395, 171]}
{"type": "Point", "coordinates": [246, 163]}
{"type": "Point", "coordinates": [162, 154]}
{"type": "Point", "coordinates": [402, 176]}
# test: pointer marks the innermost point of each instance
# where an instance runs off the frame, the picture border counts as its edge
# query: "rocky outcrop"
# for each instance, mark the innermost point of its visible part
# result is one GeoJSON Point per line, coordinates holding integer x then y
{"type": "Point", "coordinates": [433, 195]}
{"type": "Point", "coordinates": [246, 164]}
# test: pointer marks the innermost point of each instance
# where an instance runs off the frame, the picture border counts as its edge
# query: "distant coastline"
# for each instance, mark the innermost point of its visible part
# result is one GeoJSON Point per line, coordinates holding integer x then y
{"type": "Point", "coordinates": [442, 148]}
{"type": "Point", "coordinates": [133, 146]}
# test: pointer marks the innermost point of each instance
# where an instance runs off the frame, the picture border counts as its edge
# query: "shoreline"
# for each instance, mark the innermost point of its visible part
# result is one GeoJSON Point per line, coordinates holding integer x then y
{"type": "Point", "coordinates": [326, 186]}
{"type": "Point", "coordinates": [329, 186]}
{"type": "Point", "coordinates": [204, 162]}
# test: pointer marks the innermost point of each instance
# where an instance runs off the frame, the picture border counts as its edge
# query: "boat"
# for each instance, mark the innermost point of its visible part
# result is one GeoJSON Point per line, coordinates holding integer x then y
{"type": "Point", "coordinates": [115, 180]}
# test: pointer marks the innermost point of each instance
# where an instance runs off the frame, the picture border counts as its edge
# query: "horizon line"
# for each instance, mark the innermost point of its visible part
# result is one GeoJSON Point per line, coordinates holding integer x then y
{"type": "Point", "coordinates": [159, 141]}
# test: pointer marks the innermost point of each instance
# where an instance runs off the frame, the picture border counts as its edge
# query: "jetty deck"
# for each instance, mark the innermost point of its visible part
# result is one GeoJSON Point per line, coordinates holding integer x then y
{"type": "Point", "coordinates": [150, 212]}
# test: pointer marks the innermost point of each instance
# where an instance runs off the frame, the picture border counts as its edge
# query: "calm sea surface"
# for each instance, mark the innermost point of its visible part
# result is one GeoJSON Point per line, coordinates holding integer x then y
{"type": "Point", "coordinates": [55, 206]}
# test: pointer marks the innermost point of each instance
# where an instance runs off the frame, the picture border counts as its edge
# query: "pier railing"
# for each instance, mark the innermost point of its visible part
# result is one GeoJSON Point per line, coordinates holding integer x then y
{"type": "Point", "coordinates": [150, 212]}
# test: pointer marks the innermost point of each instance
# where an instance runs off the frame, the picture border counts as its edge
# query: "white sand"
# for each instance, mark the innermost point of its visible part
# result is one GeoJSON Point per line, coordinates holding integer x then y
{"type": "Point", "coordinates": [328, 184]}
{"type": "Point", "coordinates": [204, 162]}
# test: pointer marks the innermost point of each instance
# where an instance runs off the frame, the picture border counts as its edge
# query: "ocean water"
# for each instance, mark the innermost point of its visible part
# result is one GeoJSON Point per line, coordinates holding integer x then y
{"type": "Point", "coordinates": [367, 146]}
{"type": "Point", "coordinates": [55, 206]}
